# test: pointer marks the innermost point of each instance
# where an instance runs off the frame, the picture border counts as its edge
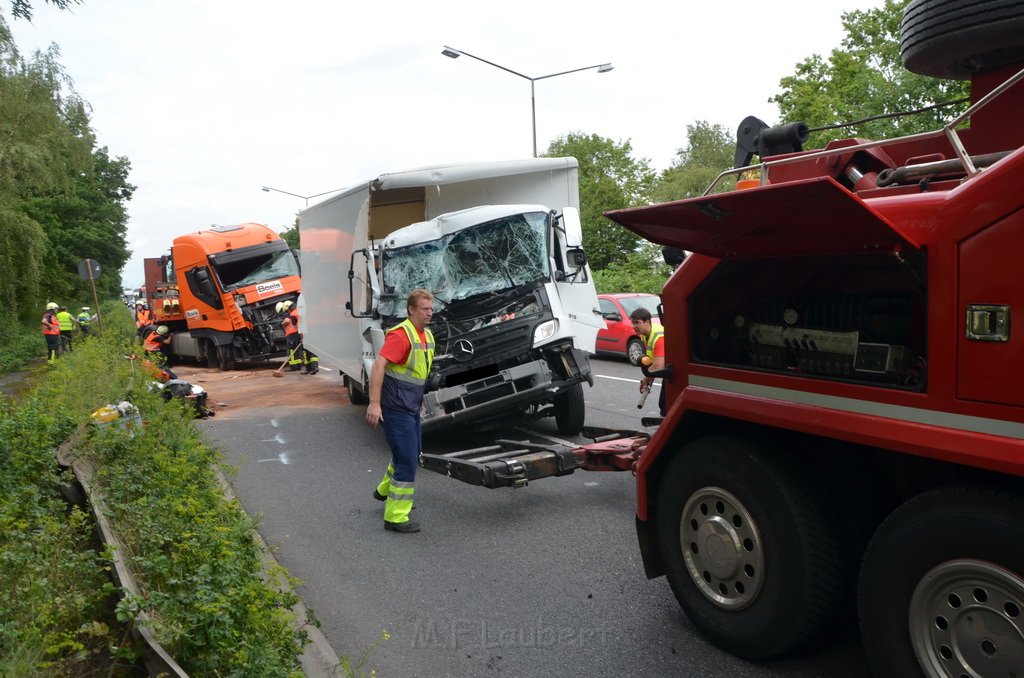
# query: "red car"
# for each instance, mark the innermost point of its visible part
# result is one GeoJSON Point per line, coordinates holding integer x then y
{"type": "Point", "coordinates": [619, 338]}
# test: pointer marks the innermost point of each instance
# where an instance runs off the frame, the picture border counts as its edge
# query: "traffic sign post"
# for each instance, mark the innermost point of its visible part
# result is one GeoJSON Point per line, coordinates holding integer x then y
{"type": "Point", "coordinates": [89, 269]}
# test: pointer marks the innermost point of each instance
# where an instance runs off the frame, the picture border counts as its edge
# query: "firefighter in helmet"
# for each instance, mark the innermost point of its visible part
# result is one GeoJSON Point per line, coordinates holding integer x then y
{"type": "Point", "coordinates": [298, 356]}
{"type": "Point", "coordinates": [51, 332]}
{"type": "Point", "coordinates": [144, 318]}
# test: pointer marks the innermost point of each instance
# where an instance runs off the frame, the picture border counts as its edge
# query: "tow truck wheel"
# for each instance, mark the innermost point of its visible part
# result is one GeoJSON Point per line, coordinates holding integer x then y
{"type": "Point", "coordinates": [226, 356]}
{"type": "Point", "coordinates": [941, 589]}
{"type": "Point", "coordinates": [634, 351]}
{"type": "Point", "coordinates": [749, 547]}
{"type": "Point", "coordinates": [570, 410]}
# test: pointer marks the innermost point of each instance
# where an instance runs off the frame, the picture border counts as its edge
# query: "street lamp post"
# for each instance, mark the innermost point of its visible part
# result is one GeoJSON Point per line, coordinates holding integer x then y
{"type": "Point", "coordinates": [304, 197]}
{"type": "Point", "coordinates": [453, 53]}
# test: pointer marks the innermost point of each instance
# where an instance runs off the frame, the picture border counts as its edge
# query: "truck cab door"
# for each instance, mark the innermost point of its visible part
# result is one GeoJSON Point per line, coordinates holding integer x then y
{"type": "Point", "coordinates": [575, 284]}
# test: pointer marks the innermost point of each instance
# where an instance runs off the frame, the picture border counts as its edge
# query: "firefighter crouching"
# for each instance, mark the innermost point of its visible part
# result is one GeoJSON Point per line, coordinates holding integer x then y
{"type": "Point", "coordinates": [298, 356]}
{"type": "Point", "coordinates": [156, 342]}
{"type": "Point", "coordinates": [144, 318]}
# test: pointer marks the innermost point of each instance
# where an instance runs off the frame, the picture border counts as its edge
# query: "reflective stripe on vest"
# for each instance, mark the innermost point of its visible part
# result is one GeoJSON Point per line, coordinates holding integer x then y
{"type": "Point", "coordinates": [651, 340]}
{"type": "Point", "coordinates": [417, 365]}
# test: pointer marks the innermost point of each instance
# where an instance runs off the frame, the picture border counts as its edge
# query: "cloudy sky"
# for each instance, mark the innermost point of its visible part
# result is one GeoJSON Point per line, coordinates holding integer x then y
{"type": "Point", "coordinates": [213, 99]}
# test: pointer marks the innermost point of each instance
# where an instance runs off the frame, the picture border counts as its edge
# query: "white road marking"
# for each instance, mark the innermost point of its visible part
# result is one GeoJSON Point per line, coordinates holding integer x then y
{"type": "Point", "coordinates": [283, 458]}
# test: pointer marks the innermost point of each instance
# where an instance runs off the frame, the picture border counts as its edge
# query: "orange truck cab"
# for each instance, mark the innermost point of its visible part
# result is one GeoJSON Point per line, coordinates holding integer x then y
{"type": "Point", "coordinates": [217, 291]}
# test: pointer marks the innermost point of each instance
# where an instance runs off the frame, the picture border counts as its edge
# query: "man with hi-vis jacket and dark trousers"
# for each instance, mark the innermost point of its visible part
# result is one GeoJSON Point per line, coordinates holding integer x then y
{"type": "Point", "coordinates": [397, 382]}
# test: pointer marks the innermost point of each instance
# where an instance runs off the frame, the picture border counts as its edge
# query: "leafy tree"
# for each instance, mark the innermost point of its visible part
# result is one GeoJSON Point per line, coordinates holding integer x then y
{"type": "Point", "coordinates": [291, 235]}
{"type": "Point", "coordinates": [61, 199]}
{"type": "Point", "coordinates": [22, 9]}
{"type": "Point", "coordinates": [865, 77]}
{"type": "Point", "coordinates": [610, 178]}
{"type": "Point", "coordinates": [642, 270]}
{"type": "Point", "coordinates": [709, 151]}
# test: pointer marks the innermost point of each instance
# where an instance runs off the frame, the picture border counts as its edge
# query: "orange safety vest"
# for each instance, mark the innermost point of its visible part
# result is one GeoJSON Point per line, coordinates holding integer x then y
{"type": "Point", "coordinates": [151, 342]}
{"type": "Point", "coordinates": [144, 317]}
{"type": "Point", "coordinates": [291, 322]}
{"type": "Point", "coordinates": [52, 325]}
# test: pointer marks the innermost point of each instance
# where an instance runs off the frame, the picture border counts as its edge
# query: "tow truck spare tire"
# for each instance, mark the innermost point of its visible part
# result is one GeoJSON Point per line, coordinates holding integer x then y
{"type": "Point", "coordinates": [957, 38]}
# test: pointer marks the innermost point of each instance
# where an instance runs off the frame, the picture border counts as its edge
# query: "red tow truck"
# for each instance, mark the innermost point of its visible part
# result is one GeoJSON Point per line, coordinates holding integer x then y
{"type": "Point", "coordinates": [845, 384]}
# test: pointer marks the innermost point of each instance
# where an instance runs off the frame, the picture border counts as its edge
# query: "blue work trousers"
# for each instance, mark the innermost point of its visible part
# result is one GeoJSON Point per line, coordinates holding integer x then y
{"type": "Point", "coordinates": [402, 430]}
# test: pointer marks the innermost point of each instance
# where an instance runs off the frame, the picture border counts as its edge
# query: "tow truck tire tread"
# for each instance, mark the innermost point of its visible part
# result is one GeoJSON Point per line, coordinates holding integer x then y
{"type": "Point", "coordinates": [956, 38]}
{"type": "Point", "coordinates": [805, 564]}
{"type": "Point", "coordinates": [974, 523]}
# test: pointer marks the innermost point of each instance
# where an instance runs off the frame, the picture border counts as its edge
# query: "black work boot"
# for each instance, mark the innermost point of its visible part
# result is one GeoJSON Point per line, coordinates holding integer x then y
{"type": "Point", "coordinates": [407, 527]}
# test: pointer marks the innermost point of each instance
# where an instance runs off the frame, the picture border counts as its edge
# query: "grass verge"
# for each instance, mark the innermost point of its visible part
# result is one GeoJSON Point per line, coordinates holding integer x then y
{"type": "Point", "coordinates": [192, 550]}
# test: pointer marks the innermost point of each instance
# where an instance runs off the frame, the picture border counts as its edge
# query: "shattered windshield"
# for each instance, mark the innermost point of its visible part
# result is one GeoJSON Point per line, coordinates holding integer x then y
{"type": "Point", "coordinates": [490, 257]}
{"type": "Point", "coordinates": [256, 269]}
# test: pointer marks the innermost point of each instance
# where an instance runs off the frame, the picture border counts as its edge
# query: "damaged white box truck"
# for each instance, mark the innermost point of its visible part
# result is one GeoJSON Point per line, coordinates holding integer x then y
{"type": "Point", "coordinates": [500, 246]}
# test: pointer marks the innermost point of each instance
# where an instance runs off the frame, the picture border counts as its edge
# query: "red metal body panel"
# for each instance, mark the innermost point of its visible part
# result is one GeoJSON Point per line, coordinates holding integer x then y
{"type": "Point", "coordinates": [970, 410]}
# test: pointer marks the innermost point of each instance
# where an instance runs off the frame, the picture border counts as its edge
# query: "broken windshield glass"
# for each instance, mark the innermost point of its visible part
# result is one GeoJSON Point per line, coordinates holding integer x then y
{"type": "Point", "coordinates": [257, 269]}
{"type": "Point", "coordinates": [490, 257]}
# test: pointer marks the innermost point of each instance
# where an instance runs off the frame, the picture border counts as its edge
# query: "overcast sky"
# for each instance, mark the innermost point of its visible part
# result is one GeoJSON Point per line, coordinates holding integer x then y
{"type": "Point", "coordinates": [211, 100]}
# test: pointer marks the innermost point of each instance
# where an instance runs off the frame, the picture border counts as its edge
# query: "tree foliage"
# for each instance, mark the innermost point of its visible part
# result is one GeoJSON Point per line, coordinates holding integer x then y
{"type": "Point", "coordinates": [62, 199]}
{"type": "Point", "coordinates": [865, 77]}
{"type": "Point", "coordinates": [708, 152]}
{"type": "Point", "coordinates": [22, 9]}
{"type": "Point", "coordinates": [642, 270]}
{"type": "Point", "coordinates": [610, 178]}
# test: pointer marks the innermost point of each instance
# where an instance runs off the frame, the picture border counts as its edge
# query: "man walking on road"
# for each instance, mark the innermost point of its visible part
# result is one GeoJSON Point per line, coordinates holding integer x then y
{"type": "Point", "coordinates": [397, 382]}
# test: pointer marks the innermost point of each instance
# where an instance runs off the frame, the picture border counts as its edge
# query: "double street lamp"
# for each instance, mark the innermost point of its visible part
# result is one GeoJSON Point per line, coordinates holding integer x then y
{"type": "Point", "coordinates": [453, 53]}
{"type": "Point", "coordinates": [304, 197]}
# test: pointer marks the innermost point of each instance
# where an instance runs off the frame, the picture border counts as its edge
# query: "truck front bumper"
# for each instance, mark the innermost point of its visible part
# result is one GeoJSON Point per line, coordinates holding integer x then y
{"type": "Point", "coordinates": [510, 391]}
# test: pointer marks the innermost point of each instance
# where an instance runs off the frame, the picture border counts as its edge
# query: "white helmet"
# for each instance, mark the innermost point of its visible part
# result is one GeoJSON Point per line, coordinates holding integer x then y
{"type": "Point", "coordinates": [162, 330]}
{"type": "Point", "coordinates": [85, 308]}
{"type": "Point", "coordinates": [279, 307]}
{"type": "Point", "coordinates": [51, 306]}
{"type": "Point", "coordinates": [285, 305]}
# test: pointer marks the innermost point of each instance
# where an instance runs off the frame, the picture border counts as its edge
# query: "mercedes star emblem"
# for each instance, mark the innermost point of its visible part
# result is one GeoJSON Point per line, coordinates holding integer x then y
{"type": "Point", "coordinates": [463, 350]}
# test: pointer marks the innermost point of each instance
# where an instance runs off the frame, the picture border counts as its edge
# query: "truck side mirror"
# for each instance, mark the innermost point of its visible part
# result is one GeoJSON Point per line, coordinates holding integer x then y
{"type": "Point", "coordinates": [573, 227]}
{"type": "Point", "coordinates": [673, 255]}
{"type": "Point", "coordinates": [577, 258]}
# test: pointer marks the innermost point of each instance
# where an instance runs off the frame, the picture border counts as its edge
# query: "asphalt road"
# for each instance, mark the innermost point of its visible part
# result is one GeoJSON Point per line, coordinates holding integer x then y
{"type": "Point", "coordinates": [544, 580]}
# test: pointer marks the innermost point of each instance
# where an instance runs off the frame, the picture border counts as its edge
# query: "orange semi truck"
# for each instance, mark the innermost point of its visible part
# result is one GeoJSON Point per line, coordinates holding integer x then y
{"type": "Point", "coordinates": [217, 291]}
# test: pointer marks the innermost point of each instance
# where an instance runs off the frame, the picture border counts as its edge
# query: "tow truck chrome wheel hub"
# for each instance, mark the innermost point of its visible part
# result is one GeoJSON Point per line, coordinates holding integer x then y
{"type": "Point", "coordinates": [722, 548]}
{"type": "Point", "coordinates": [966, 618]}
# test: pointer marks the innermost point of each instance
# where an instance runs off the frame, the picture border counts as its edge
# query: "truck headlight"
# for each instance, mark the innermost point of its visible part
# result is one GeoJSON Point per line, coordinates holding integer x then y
{"type": "Point", "coordinates": [545, 331]}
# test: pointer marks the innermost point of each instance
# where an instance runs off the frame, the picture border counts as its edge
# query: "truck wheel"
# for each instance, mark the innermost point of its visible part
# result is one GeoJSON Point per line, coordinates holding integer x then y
{"type": "Point", "coordinates": [226, 356]}
{"type": "Point", "coordinates": [634, 351]}
{"type": "Point", "coordinates": [750, 548]}
{"type": "Point", "coordinates": [570, 410]}
{"type": "Point", "coordinates": [355, 396]}
{"type": "Point", "coordinates": [942, 586]}
{"type": "Point", "coordinates": [957, 38]}
{"type": "Point", "coordinates": [212, 360]}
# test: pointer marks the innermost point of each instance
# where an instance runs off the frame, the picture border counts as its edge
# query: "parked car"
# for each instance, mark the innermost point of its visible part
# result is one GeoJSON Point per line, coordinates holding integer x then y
{"type": "Point", "coordinates": [618, 337]}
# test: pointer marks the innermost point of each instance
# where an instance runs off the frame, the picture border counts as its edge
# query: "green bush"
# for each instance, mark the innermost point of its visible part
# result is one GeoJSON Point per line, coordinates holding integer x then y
{"type": "Point", "coordinates": [192, 550]}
